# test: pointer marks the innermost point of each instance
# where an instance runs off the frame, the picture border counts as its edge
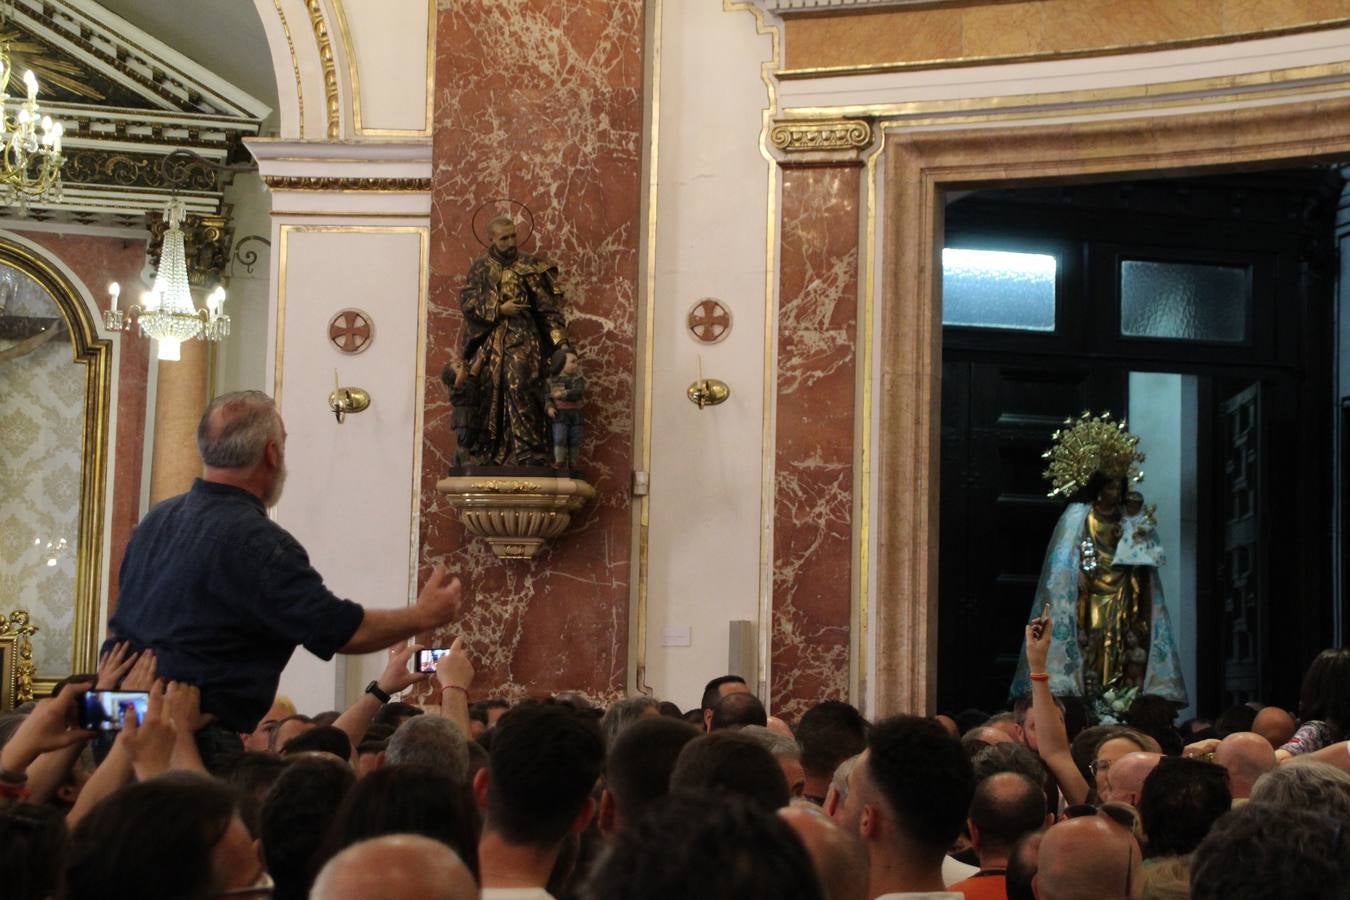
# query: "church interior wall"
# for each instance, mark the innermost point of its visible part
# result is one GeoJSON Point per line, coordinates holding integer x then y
{"type": "Point", "coordinates": [542, 104]}
{"type": "Point", "coordinates": [753, 505]}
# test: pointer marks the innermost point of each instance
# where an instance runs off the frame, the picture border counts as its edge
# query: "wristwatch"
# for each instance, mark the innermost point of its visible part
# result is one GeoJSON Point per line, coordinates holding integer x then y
{"type": "Point", "coordinates": [377, 692]}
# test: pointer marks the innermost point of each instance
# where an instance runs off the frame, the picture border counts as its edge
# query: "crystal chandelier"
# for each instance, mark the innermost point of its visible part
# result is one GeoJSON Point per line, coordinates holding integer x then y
{"type": "Point", "coordinates": [166, 312]}
{"type": "Point", "coordinates": [30, 164]}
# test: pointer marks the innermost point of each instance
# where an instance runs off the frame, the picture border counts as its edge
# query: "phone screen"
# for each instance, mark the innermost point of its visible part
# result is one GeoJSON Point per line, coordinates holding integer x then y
{"type": "Point", "coordinates": [105, 710]}
{"type": "Point", "coordinates": [426, 659]}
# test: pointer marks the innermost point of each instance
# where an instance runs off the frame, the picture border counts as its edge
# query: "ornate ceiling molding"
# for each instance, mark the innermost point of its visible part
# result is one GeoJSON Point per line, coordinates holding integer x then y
{"type": "Point", "coordinates": [345, 183]}
{"type": "Point", "coordinates": [127, 101]}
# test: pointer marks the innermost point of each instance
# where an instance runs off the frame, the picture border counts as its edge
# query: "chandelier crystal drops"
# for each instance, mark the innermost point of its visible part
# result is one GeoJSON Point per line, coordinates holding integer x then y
{"type": "Point", "coordinates": [166, 312]}
{"type": "Point", "coordinates": [30, 145]}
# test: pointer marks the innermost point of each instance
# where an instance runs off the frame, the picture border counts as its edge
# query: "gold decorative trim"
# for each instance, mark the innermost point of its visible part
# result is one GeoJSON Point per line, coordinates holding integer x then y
{"type": "Point", "coordinates": [295, 67]}
{"type": "Point", "coordinates": [16, 668]}
{"type": "Point", "coordinates": [330, 82]}
{"type": "Point", "coordinates": [342, 183]}
{"type": "Point", "coordinates": [1198, 91]}
{"type": "Point", "coordinates": [419, 402]}
{"type": "Point", "coordinates": [817, 135]}
{"type": "Point", "coordinates": [960, 62]}
{"type": "Point", "coordinates": [767, 461]}
{"type": "Point", "coordinates": [505, 486]}
{"type": "Point", "coordinates": [349, 46]}
{"type": "Point", "coordinates": [643, 542]}
{"type": "Point", "coordinates": [95, 353]}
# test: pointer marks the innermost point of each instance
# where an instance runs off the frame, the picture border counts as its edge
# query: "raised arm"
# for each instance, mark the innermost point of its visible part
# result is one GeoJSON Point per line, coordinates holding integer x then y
{"type": "Point", "coordinates": [454, 674]}
{"type": "Point", "coordinates": [383, 628]}
{"type": "Point", "coordinates": [356, 718]}
{"type": "Point", "coordinates": [1051, 736]}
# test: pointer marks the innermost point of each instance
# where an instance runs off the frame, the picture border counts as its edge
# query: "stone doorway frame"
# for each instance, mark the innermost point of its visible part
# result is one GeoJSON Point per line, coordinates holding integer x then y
{"type": "Point", "coordinates": [919, 168]}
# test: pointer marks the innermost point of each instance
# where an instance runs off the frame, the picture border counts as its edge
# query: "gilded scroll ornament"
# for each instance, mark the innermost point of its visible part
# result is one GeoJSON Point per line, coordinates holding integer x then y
{"type": "Point", "coordinates": [337, 183]}
{"type": "Point", "coordinates": [821, 136]}
{"type": "Point", "coordinates": [330, 85]}
{"type": "Point", "coordinates": [19, 626]}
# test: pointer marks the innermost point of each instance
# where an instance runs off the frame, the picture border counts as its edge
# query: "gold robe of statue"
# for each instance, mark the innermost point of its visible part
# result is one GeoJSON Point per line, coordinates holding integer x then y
{"type": "Point", "coordinates": [1111, 601]}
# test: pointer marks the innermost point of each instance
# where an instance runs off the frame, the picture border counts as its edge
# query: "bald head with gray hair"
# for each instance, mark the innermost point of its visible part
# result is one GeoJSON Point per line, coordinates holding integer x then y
{"type": "Point", "coordinates": [235, 429]}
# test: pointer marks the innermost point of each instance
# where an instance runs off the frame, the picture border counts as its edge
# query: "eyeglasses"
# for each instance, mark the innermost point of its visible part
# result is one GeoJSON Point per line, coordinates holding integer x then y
{"type": "Point", "coordinates": [261, 889]}
{"type": "Point", "coordinates": [1097, 766]}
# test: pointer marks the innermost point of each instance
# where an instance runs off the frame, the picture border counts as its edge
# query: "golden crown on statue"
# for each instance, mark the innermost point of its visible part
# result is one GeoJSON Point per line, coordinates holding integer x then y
{"type": "Point", "coordinates": [1087, 445]}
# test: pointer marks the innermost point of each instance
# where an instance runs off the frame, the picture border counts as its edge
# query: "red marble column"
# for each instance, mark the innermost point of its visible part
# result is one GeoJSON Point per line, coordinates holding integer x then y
{"type": "Point", "coordinates": [97, 261]}
{"type": "Point", "coordinates": [541, 102]}
{"type": "Point", "coordinates": [813, 477]}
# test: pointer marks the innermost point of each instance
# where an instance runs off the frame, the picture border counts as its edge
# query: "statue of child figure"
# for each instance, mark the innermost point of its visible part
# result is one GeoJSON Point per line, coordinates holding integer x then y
{"type": "Point", "coordinates": [462, 382]}
{"type": "Point", "coordinates": [562, 401]}
{"type": "Point", "coordinates": [1139, 544]}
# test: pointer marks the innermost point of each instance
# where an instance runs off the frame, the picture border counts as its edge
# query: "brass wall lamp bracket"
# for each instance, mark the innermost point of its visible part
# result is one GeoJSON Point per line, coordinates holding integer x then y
{"type": "Point", "coordinates": [345, 400]}
{"type": "Point", "coordinates": [707, 391]}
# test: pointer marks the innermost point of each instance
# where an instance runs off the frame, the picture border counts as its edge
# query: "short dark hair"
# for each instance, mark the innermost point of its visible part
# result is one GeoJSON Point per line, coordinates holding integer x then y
{"type": "Point", "coordinates": [32, 845]}
{"type": "Point", "coordinates": [296, 811]}
{"type": "Point", "coordinates": [151, 840]}
{"type": "Point", "coordinates": [251, 773]}
{"type": "Point", "coordinates": [322, 739]}
{"type": "Point", "coordinates": [543, 763]}
{"type": "Point", "coordinates": [394, 713]}
{"type": "Point", "coordinates": [705, 846]}
{"type": "Point", "coordinates": [405, 800]}
{"type": "Point", "coordinates": [1022, 866]}
{"type": "Point", "coordinates": [728, 762]}
{"type": "Point", "coordinates": [737, 711]}
{"type": "Point", "coordinates": [1006, 806]}
{"type": "Point", "coordinates": [1234, 719]}
{"type": "Point", "coordinates": [1007, 757]}
{"type": "Point", "coordinates": [1264, 852]}
{"type": "Point", "coordinates": [829, 733]}
{"type": "Point", "coordinates": [637, 770]}
{"type": "Point", "coordinates": [712, 691]}
{"type": "Point", "coordinates": [924, 776]}
{"type": "Point", "coordinates": [1179, 802]}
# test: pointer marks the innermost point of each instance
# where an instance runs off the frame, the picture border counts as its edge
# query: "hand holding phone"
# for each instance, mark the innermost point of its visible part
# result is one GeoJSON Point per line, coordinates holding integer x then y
{"type": "Point", "coordinates": [427, 659]}
{"type": "Point", "coordinates": [106, 710]}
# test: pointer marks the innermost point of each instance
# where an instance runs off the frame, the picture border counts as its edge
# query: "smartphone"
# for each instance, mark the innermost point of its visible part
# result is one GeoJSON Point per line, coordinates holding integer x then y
{"type": "Point", "coordinates": [426, 659]}
{"type": "Point", "coordinates": [106, 710]}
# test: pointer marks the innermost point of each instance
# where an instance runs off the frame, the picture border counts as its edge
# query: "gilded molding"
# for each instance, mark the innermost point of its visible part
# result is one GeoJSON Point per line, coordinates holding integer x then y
{"type": "Point", "coordinates": [95, 354]}
{"type": "Point", "coordinates": [340, 183]}
{"type": "Point", "coordinates": [295, 66]}
{"type": "Point", "coordinates": [141, 170]}
{"type": "Point", "coordinates": [330, 83]}
{"type": "Point", "coordinates": [820, 136]}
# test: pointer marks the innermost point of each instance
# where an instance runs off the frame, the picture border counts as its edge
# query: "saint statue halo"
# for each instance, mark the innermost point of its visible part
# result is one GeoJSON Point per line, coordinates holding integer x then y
{"type": "Point", "coordinates": [1088, 445]}
{"type": "Point", "coordinates": [478, 234]}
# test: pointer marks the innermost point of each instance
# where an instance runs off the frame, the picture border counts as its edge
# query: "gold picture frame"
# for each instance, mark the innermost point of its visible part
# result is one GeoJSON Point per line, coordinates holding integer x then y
{"type": "Point", "coordinates": [16, 659]}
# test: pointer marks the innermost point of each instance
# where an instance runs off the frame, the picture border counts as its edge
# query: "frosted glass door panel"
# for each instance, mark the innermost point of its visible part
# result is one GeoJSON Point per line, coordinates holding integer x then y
{"type": "Point", "coordinates": [1183, 301]}
{"type": "Point", "coordinates": [998, 289]}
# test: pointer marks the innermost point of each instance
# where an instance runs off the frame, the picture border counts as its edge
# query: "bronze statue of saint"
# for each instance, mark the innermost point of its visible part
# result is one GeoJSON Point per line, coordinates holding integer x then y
{"type": "Point", "coordinates": [514, 323]}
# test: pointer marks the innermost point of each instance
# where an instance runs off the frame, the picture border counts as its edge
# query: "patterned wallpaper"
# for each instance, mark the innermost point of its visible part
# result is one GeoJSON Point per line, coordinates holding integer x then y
{"type": "Point", "coordinates": [41, 429]}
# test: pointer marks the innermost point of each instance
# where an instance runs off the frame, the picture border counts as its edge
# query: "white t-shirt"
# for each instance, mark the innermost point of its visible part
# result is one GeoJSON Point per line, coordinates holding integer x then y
{"type": "Point", "coordinates": [953, 870]}
{"type": "Point", "coordinates": [532, 893]}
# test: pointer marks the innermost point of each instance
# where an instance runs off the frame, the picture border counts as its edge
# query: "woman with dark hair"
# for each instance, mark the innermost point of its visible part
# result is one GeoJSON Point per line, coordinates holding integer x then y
{"type": "Point", "coordinates": [406, 800]}
{"type": "Point", "coordinates": [1323, 705]}
{"type": "Point", "coordinates": [175, 837]}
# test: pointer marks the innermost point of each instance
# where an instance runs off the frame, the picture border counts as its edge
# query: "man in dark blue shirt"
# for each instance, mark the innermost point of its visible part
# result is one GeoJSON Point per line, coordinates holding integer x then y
{"type": "Point", "coordinates": [224, 595]}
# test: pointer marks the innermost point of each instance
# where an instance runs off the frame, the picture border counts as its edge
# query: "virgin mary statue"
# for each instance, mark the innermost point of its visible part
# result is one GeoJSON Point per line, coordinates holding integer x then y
{"type": "Point", "coordinates": [1110, 628]}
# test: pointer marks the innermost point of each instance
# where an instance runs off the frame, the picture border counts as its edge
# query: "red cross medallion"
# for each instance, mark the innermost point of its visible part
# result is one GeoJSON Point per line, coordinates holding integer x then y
{"type": "Point", "coordinates": [351, 330]}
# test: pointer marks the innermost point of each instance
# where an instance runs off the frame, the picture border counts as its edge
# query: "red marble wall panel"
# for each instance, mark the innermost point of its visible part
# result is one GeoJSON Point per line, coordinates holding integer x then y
{"type": "Point", "coordinates": [97, 261]}
{"type": "Point", "coordinates": [541, 102]}
{"type": "Point", "coordinates": [813, 474]}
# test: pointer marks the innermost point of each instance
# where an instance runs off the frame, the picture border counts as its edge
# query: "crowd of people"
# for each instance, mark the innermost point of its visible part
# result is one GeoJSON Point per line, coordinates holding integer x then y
{"type": "Point", "coordinates": [559, 798]}
{"type": "Point", "coordinates": [216, 787]}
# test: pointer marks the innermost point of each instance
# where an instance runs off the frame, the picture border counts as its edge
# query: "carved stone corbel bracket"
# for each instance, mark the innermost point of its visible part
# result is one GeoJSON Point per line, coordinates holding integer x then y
{"type": "Point", "coordinates": [516, 515]}
{"type": "Point", "coordinates": [806, 141]}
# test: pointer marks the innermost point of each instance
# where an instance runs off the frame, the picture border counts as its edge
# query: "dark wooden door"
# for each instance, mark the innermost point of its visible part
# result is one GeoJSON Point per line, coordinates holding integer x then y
{"type": "Point", "coordinates": [997, 420]}
{"type": "Point", "coordinates": [1243, 571]}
